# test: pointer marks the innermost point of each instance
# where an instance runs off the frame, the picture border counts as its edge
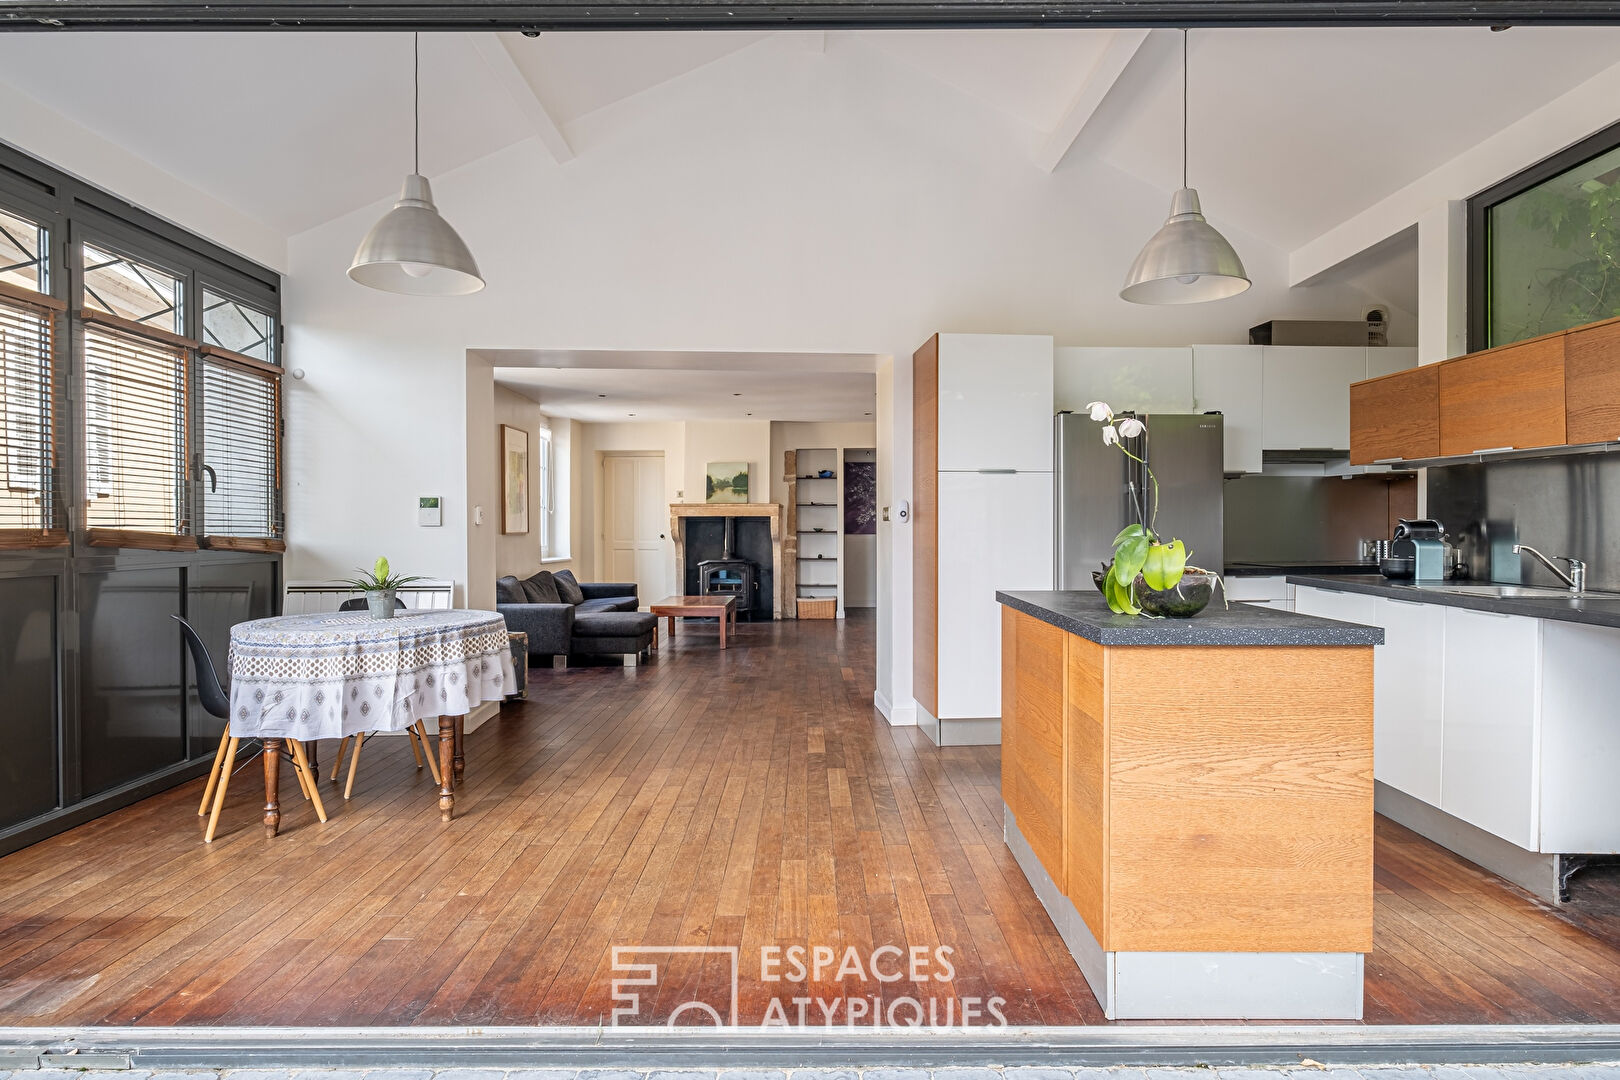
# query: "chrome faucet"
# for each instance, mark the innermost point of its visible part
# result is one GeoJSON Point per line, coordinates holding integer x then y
{"type": "Point", "coordinates": [1575, 579]}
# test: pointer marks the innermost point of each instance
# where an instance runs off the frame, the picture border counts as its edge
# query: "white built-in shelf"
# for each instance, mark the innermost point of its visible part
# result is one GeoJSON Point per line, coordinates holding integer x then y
{"type": "Point", "coordinates": [833, 477]}
{"type": "Point", "coordinates": [828, 505]}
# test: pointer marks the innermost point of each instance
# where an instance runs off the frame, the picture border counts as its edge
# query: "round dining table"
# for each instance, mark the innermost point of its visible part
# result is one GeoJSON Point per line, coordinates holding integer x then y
{"type": "Point", "coordinates": [328, 675]}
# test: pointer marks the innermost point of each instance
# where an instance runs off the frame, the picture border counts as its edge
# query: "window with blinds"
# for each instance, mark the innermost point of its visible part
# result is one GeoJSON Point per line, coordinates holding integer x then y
{"type": "Point", "coordinates": [134, 436]}
{"type": "Point", "coordinates": [27, 425]}
{"type": "Point", "coordinates": [240, 458]}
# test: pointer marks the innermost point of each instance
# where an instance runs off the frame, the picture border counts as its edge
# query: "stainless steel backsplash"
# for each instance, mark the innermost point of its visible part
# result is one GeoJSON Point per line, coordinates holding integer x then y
{"type": "Point", "coordinates": [1560, 505]}
{"type": "Point", "coordinates": [1308, 518]}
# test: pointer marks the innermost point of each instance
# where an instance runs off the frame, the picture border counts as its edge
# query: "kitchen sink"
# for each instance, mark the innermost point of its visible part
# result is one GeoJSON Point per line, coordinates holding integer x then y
{"type": "Point", "coordinates": [1525, 592]}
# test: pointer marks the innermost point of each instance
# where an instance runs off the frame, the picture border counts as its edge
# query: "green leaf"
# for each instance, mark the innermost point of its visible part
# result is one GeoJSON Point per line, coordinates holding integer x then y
{"type": "Point", "coordinates": [1129, 555]}
{"type": "Point", "coordinates": [1129, 531]}
{"type": "Point", "coordinates": [1165, 564]}
{"type": "Point", "coordinates": [1121, 600]}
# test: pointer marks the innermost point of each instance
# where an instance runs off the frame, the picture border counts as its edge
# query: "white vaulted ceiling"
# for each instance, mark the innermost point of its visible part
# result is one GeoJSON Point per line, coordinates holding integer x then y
{"type": "Point", "coordinates": [1294, 130]}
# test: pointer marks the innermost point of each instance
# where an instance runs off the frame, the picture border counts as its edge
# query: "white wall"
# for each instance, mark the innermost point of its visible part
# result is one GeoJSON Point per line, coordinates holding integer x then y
{"type": "Point", "coordinates": [48, 135]}
{"type": "Point", "coordinates": [714, 441]}
{"type": "Point", "coordinates": [759, 203]}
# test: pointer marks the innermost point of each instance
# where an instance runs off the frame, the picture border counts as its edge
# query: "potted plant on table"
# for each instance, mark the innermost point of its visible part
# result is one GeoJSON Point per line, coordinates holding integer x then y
{"type": "Point", "coordinates": [1149, 575]}
{"type": "Point", "coordinates": [380, 586]}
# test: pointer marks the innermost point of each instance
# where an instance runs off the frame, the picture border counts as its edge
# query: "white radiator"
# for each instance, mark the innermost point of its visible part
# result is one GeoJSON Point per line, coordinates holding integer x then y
{"type": "Point", "coordinates": [307, 596]}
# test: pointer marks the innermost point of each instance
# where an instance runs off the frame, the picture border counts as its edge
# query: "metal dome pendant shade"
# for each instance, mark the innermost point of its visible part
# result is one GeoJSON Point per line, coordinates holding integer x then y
{"type": "Point", "coordinates": [1187, 261]}
{"type": "Point", "coordinates": [411, 249]}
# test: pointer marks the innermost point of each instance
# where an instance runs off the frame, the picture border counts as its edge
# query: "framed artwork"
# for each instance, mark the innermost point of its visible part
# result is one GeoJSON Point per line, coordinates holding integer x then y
{"type": "Point", "coordinates": [726, 482]}
{"type": "Point", "coordinates": [514, 480]}
{"type": "Point", "coordinates": [860, 498]}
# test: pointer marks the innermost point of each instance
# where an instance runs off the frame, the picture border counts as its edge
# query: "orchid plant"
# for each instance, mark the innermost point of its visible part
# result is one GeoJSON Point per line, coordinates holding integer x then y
{"type": "Point", "coordinates": [1138, 549]}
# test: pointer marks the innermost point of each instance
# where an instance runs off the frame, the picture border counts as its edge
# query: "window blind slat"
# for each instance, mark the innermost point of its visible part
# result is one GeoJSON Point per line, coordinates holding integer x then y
{"type": "Point", "coordinates": [134, 433]}
{"type": "Point", "coordinates": [241, 476]}
{"type": "Point", "coordinates": [27, 419]}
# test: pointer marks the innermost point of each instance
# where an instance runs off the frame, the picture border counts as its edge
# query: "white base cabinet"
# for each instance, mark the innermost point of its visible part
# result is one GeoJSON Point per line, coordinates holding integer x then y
{"type": "Point", "coordinates": [1503, 721]}
{"type": "Point", "coordinates": [1580, 738]}
{"type": "Point", "coordinates": [1406, 697]}
{"type": "Point", "coordinates": [1000, 530]}
{"type": "Point", "coordinates": [1490, 705]}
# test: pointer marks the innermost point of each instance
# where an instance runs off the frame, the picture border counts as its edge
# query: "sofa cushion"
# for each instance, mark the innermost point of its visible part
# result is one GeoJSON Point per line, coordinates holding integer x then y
{"type": "Point", "coordinates": [542, 589]}
{"type": "Point", "coordinates": [509, 590]}
{"type": "Point", "coordinates": [615, 624]}
{"type": "Point", "coordinates": [568, 587]}
{"type": "Point", "coordinates": [609, 603]}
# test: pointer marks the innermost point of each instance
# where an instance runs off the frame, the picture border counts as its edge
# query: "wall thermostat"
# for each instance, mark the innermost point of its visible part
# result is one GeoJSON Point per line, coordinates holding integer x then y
{"type": "Point", "coordinates": [429, 510]}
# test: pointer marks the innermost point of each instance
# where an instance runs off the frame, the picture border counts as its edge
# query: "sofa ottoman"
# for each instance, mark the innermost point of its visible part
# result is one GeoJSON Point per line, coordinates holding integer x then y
{"type": "Point", "coordinates": [613, 633]}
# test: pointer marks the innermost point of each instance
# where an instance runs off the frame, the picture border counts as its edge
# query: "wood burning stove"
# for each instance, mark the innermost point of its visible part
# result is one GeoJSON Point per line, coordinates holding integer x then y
{"type": "Point", "coordinates": [729, 575]}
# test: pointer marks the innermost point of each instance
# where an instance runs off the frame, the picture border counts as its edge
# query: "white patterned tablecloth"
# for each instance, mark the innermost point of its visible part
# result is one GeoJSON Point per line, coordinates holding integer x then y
{"type": "Point", "coordinates": [324, 675]}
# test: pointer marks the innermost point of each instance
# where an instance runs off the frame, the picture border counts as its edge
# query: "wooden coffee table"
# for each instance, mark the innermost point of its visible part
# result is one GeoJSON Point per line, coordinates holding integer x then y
{"type": "Point", "coordinates": [707, 607]}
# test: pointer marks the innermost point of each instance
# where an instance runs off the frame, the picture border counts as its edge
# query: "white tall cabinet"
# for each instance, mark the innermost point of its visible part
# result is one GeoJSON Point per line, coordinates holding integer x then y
{"type": "Point", "coordinates": [982, 519]}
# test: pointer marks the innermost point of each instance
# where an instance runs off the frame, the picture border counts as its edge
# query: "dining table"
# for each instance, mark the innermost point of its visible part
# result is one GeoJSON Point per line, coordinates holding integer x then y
{"type": "Point", "coordinates": [332, 674]}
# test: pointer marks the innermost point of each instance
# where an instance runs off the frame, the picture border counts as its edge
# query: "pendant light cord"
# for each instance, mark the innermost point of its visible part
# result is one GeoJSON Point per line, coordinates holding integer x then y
{"type": "Point", "coordinates": [416, 104]}
{"type": "Point", "coordinates": [1184, 107]}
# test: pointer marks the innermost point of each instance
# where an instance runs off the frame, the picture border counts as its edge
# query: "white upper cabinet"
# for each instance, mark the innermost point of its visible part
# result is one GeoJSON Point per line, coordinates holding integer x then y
{"type": "Point", "coordinates": [995, 402]}
{"type": "Point", "coordinates": [1389, 360]}
{"type": "Point", "coordinates": [1144, 380]}
{"type": "Point", "coordinates": [1306, 395]}
{"type": "Point", "coordinates": [1227, 379]}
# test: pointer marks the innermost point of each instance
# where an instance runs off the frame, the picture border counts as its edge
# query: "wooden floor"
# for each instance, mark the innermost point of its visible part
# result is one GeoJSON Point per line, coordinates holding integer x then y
{"type": "Point", "coordinates": [745, 798]}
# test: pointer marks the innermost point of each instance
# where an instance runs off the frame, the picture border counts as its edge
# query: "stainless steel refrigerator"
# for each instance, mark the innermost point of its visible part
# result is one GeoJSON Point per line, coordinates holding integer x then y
{"type": "Point", "coordinates": [1098, 490]}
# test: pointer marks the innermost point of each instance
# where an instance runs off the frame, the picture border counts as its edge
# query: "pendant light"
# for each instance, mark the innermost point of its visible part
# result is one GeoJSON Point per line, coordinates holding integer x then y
{"type": "Point", "coordinates": [412, 249]}
{"type": "Point", "coordinates": [1187, 261]}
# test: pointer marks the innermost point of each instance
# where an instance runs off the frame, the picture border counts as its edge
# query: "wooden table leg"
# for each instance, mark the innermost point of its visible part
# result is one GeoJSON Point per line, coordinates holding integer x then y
{"type": "Point", "coordinates": [447, 740]}
{"type": "Point", "coordinates": [722, 628]}
{"type": "Point", "coordinates": [461, 761]}
{"type": "Point", "coordinates": [272, 783]}
{"type": "Point", "coordinates": [672, 626]}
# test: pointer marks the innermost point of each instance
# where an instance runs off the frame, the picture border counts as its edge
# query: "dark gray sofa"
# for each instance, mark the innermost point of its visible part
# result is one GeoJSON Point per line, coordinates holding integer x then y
{"type": "Point", "coordinates": [602, 621]}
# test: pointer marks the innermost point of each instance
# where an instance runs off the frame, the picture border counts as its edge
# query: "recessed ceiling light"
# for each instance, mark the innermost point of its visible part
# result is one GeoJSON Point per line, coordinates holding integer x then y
{"type": "Point", "coordinates": [630, 414]}
{"type": "Point", "coordinates": [735, 393]}
{"type": "Point", "coordinates": [601, 395]}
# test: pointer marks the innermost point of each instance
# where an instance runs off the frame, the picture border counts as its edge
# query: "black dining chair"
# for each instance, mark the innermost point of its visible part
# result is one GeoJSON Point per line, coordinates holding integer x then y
{"type": "Point", "coordinates": [417, 733]}
{"type": "Point", "coordinates": [217, 703]}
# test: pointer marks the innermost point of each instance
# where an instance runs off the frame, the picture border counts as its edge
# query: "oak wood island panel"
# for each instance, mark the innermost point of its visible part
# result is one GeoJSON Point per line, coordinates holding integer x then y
{"type": "Point", "coordinates": [1215, 803]}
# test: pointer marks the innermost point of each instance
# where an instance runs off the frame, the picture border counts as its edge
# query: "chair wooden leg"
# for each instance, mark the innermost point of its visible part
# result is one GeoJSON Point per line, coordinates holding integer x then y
{"type": "Point", "coordinates": [337, 765]}
{"type": "Point", "coordinates": [213, 774]}
{"type": "Point", "coordinates": [311, 781]}
{"type": "Point", "coordinates": [354, 765]}
{"type": "Point", "coordinates": [427, 747]}
{"type": "Point", "coordinates": [219, 795]}
{"type": "Point", "coordinates": [303, 781]}
{"type": "Point", "coordinates": [416, 751]}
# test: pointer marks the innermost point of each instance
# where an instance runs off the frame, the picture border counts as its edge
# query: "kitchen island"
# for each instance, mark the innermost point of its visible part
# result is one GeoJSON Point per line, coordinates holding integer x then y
{"type": "Point", "coordinates": [1192, 801]}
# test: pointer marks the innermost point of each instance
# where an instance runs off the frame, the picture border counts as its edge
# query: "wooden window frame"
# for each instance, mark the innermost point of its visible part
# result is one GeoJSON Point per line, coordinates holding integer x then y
{"type": "Point", "coordinates": [251, 365]}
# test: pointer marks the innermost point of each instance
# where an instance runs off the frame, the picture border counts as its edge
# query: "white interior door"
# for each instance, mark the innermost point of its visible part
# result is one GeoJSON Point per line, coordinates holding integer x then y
{"type": "Point", "coordinates": [636, 524]}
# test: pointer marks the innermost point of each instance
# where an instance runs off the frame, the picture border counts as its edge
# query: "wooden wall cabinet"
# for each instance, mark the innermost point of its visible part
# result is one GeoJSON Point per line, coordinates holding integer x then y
{"type": "Point", "coordinates": [1501, 398]}
{"type": "Point", "coordinates": [1396, 417]}
{"type": "Point", "coordinates": [1592, 383]}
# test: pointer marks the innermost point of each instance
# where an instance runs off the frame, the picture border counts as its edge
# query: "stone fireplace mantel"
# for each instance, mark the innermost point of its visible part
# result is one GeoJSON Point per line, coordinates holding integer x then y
{"type": "Point", "coordinates": [770, 511]}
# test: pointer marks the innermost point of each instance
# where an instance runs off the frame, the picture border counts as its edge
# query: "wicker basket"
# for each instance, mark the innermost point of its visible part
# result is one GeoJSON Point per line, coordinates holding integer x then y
{"type": "Point", "coordinates": [818, 607]}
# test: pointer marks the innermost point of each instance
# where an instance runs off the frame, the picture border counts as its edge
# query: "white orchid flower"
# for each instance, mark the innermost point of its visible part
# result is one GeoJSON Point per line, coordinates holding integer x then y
{"type": "Point", "coordinates": [1100, 411]}
{"type": "Point", "coordinates": [1131, 427]}
{"type": "Point", "coordinates": [1110, 435]}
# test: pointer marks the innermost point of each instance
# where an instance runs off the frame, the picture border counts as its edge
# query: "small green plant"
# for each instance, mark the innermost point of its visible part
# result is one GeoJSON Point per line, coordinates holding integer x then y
{"type": "Point", "coordinates": [1138, 549]}
{"type": "Point", "coordinates": [379, 579]}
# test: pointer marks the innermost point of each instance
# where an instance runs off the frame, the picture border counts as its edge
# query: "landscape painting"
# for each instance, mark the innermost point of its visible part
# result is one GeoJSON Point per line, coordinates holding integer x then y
{"type": "Point", "coordinates": [727, 482]}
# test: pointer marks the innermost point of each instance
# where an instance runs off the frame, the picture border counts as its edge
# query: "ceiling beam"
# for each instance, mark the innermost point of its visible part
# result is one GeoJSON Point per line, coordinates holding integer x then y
{"type": "Point", "coordinates": [1104, 74]}
{"type": "Point", "coordinates": [506, 72]}
{"type": "Point", "coordinates": [775, 15]}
